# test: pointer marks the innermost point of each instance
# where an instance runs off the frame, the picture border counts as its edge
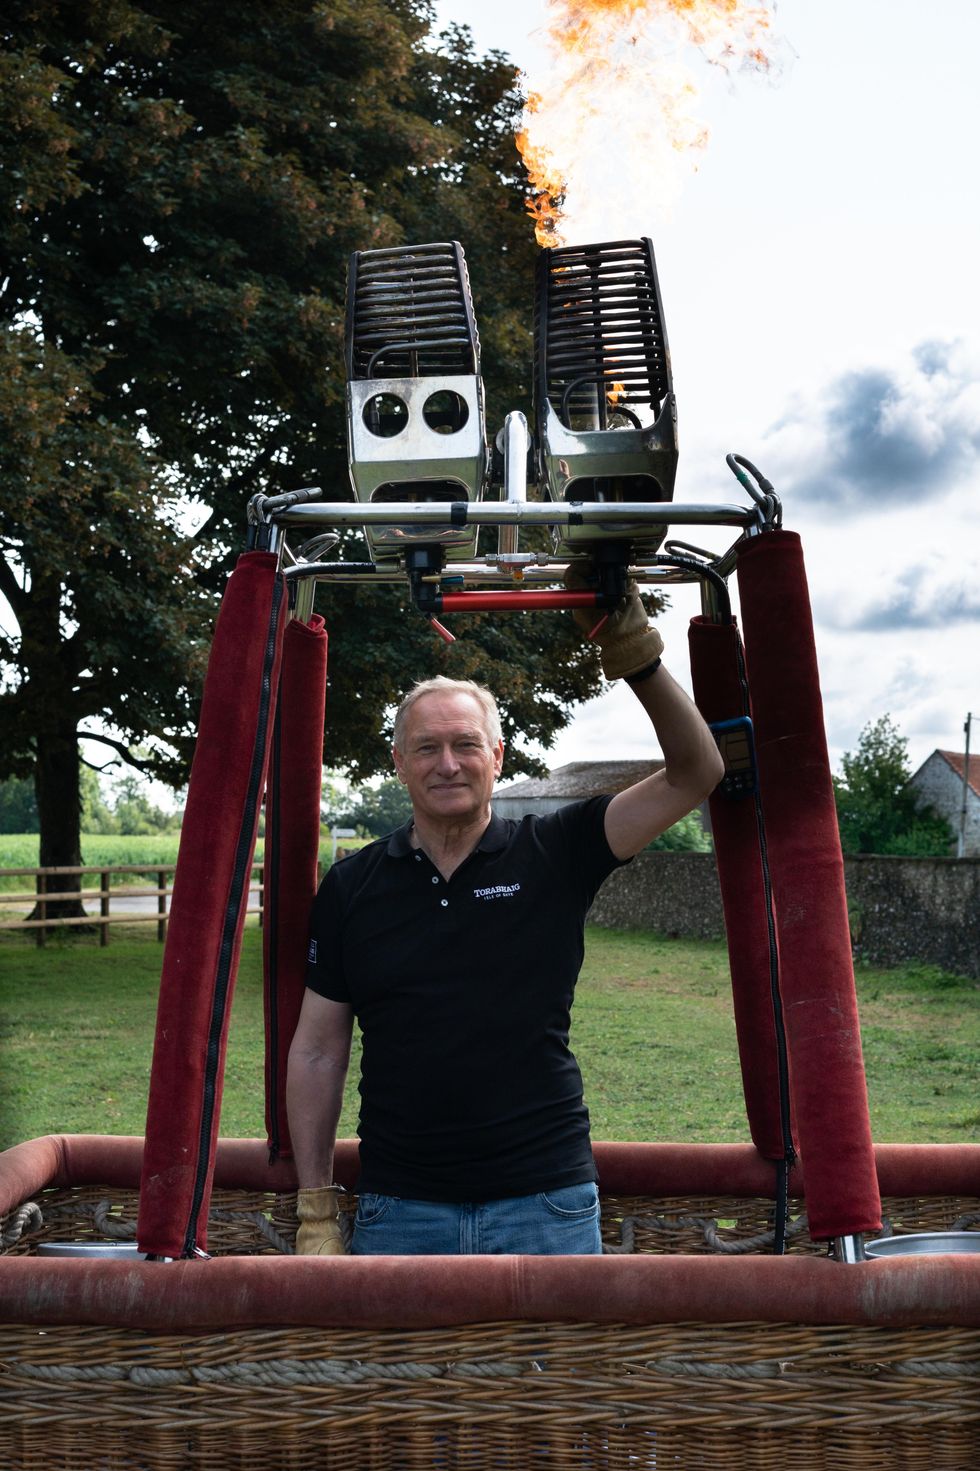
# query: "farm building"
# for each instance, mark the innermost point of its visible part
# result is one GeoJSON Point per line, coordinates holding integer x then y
{"type": "Point", "coordinates": [572, 783]}
{"type": "Point", "coordinates": [939, 784]}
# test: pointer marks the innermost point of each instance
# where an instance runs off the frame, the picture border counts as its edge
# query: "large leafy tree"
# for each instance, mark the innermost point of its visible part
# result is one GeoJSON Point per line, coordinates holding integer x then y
{"type": "Point", "coordinates": [107, 615]}
{"type": "Point", "coordinates": [877, 810]}
{"type": "Point", "coordinates": [182, 185]}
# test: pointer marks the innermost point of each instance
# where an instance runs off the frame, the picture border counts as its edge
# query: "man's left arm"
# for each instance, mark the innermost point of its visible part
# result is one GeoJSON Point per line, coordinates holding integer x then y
{"type": "Point", "coordinates": [692, 768]}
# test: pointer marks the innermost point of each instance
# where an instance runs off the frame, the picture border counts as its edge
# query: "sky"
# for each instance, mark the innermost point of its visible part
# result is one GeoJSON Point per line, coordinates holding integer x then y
{"type": "Point", "coordinates": [818, 273]}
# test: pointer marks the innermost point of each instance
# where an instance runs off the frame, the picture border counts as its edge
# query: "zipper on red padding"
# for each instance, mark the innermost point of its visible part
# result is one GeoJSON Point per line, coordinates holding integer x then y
{"type": "Point", "coordinates": [239, 888]}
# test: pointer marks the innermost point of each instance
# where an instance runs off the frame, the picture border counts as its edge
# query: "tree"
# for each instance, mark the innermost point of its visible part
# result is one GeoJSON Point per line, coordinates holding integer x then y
{"type": "Point", "coordinates": [184, 184]}
{"type": "Point", "coordinates": [335, 798]}
{"type": "Point", "coordinates": [128, 809]}
{"type": "Point", "coordinates": [378, 810]}
{"type": "Point", "coordinates": [135, 813]}
{"type": "Point", "coordinates": [686, 836]}
{"type": "Point", "coordinates": [110, 624]}
{"type": "Point", "coordinates": [18, 808]}
{"type": "Point", "coordinates": [97, 815]}
{"type": "Point", "coordinates": [877, 811]}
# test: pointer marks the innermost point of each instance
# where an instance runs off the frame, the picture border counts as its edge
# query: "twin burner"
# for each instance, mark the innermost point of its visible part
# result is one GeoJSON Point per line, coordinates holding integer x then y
{"type": "Point", "coordinates": [605, 415]}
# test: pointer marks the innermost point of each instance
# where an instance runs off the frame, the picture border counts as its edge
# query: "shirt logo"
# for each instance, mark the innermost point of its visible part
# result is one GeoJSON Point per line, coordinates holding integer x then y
{"type": "Point", "coordinates": [497, 891]}
{"type": "Point", "coordinates": [311, 953]}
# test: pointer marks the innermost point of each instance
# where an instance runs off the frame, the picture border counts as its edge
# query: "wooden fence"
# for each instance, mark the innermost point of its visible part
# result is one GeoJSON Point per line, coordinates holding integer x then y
{"type": "Point", "coordinates": [49, 888]}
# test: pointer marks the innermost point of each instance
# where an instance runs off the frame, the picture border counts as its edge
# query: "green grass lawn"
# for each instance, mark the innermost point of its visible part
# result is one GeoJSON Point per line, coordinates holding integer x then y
{"type": "Point", "coordinates": [653, 1032]}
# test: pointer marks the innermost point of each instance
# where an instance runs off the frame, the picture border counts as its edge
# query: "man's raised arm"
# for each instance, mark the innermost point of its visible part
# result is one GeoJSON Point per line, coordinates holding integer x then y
{"type": "Point", "coordinates": [630, 649]}
{"type": "Point", "coordinates": [692, 769]}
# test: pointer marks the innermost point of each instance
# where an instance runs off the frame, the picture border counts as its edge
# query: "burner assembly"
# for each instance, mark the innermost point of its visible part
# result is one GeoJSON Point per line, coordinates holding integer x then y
{"type": "Point", "coordinates": [597, 471]}
{"type": "Point", "coordinates": [606, 416]}
{"type": "Point", "coordinates": [416, 424]}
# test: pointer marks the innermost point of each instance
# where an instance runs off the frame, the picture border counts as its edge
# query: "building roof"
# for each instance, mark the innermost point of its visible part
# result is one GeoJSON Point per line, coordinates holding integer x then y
{"type": "Point", "coordinates": [955, 760]}
{"type": "Point", "coordinates": [580, 779]}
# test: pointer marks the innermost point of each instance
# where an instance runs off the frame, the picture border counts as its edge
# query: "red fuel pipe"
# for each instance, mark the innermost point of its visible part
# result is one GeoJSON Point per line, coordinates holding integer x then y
{"type": "Point", "coordinates": [486, 602]}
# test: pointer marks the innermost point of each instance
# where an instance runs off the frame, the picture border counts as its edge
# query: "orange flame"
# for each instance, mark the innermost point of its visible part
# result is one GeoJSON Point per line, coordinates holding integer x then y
{"type": "Point", "coordinates": [610, 125]}
{"type": "Point", "coordinates": [544, 204]}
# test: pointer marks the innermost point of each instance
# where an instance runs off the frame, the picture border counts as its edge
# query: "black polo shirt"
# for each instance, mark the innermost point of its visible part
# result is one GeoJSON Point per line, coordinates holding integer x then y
{"type": "Point", "coordinates": [463, 992]}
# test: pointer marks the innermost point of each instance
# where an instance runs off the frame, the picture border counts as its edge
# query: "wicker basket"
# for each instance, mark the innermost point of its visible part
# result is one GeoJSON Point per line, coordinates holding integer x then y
{"type": "Point", "coordinates": [498, 1395]}
{"type": "Point", "coordinates": [264, 1222]}
{"type": "Point", "coordinates": [502, 1395]}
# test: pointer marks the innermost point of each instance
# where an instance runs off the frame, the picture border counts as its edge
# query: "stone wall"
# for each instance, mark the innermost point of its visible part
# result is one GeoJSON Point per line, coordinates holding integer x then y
{"type": "Point", "coordinates": [901, 909]}
{"type": "Point", "coordinates": [923, 909]}
{"type": "Point", "coordinates": [676, 894]}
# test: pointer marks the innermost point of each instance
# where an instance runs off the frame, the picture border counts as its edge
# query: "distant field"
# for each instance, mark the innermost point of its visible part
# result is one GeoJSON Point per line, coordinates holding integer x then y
{"type": "Point", "coordinates": [19, 850]}
{"type": "Point", "coordinates": [653, 1032]}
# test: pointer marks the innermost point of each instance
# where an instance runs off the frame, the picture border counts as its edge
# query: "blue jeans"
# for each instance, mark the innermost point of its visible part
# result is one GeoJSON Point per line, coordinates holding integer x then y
{"type": "Point", "coordinates": [561, 1222]}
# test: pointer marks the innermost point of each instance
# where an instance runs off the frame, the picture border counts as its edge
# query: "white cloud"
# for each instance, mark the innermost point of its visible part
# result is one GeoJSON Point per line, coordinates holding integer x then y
{"type": "Point", "coordinates": [877, 435]}
{"type": "Point", "coordinates": [934, 593]}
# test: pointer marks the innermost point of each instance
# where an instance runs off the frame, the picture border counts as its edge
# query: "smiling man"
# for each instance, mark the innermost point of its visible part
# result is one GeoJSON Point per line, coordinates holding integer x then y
{"type": "Point", "coordinates": [456, 943]}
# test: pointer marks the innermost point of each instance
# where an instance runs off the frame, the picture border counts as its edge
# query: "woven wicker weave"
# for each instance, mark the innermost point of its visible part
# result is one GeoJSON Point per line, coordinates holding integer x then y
{"type": "Point", "coordinates": [492, 1396]}
{"type": "Point", "coordinates": [497, 1395]}
{"type": "Point", "coordinates": [667, 1225]}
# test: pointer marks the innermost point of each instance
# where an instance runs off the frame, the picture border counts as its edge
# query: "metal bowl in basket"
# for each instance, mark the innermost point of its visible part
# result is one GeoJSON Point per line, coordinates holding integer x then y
{"type": "Point", "coordinates": [92, 1250]}
{"type": "Point", "coordinates": [925, 1243]}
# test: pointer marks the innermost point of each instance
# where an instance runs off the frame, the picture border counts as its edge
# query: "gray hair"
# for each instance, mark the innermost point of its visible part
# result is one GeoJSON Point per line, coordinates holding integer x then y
{"type": "Point", "coordinates": [440, 685]}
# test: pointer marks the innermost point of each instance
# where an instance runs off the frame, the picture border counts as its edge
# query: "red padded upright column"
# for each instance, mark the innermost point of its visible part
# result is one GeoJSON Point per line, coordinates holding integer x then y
{"type": "Point", "coordinates": [207, 914]}
{"type": "Point", "coordinates": [717, 672]}
{"type": "Point", "coordinates": [816, 972]}
{"type": "Point", "coordinates": [292, 841]}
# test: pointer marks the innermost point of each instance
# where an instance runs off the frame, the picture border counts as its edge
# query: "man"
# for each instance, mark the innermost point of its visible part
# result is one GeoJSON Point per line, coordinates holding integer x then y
{"type": "Point", "coordinates": [457, 943]}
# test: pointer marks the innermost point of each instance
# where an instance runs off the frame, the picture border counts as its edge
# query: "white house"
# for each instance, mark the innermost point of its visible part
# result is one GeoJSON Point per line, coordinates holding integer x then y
{"type": "Point", "coordinates": [939, 784]}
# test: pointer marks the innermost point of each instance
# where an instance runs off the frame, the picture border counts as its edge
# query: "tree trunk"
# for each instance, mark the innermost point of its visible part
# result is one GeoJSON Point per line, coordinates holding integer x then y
{"type": "Point", "coordinates": [59, 811]}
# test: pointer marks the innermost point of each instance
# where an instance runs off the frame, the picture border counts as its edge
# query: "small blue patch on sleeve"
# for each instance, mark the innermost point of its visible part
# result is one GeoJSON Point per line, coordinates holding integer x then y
{"type": "Point", "coordinates": [311, 953]}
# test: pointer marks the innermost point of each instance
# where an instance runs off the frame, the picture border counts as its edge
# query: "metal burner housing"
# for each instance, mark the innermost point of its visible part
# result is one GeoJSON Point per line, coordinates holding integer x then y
{"type": "Point", "coordinates": [605, 411]}
{"type": "Point", "coordinates": [416, 420]}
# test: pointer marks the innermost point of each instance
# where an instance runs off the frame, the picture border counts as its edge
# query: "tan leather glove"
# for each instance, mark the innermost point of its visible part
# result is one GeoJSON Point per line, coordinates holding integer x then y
{"type": "Point", "coordinates": [319, 1222]}
{"type": "Point", "coordinates": [628, 643]}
